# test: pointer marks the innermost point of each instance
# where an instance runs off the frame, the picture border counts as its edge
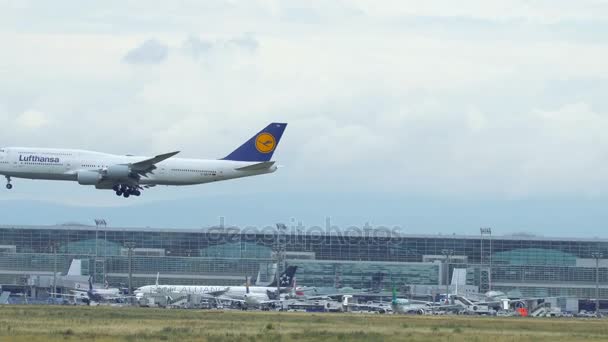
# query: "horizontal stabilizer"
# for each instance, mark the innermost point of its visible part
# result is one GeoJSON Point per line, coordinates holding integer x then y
{"type": "Point", "coordinates": [258, 166]}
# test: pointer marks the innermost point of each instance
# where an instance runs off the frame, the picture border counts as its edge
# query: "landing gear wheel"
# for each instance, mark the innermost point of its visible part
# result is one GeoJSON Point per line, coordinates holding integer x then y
{"type": "Point", "coordinates": [9, 186]}
{"type": "Point", "coordinates": [118, 193]}
{"type": "Point", "coordinates": [126, 195]}
{"type": "Point", "coordinates": [136, 192]}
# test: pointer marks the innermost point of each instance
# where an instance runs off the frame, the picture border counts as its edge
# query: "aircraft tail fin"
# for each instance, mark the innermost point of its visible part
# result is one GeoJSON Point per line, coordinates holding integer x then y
{"type": "Point", "coordinates": [157, 275]}
{"type": "Point", "coordinates": [75, 268]}
{"type": "Point", "coordinates": [286, 278]}
{"type": "Point", "coordinates": [259, 278]}
{"type": "Point", "coordinates": [261, 146]}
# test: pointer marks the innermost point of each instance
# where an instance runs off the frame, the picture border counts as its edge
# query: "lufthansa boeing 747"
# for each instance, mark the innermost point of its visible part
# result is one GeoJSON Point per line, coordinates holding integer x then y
{"type": "Point", "coordinates": [129, 175]}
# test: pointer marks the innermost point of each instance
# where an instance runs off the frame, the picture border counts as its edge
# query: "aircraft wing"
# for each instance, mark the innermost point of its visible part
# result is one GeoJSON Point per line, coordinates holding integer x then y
{"type": "Point", "coordinates": [147, 166]}
{"type": "Point", "coordinates": [326, 297]}
{"type": "Point", "coordinates": [230, 299]}
{"type": "Point", "coordinates": [270, 301]}
{"type": "Point", "coordinates": [337, 295]}
{"type": "Point", "coordinates": [243, 301]}
{"type": "Point", "coordinates": [84, 294]}
{"type": "Point", "coordinates": [218, 293]}
{"type": "Point", "coordinates": [67, 294]}
{"type": "Point", "coordinates": [116, 297]}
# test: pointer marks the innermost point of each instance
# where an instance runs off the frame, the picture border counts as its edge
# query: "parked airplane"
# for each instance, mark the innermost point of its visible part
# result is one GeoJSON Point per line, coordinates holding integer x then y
{"type": "Point", "coordinates": [128, 175]}
{"type": "Point", "coordinates": [98, 295]}
{"type": "Point", "coordinates": [500, 300]}
{"type": "Point", "coordinates": [93, 294]}
{"type": "Point", "coordinates": [224, 292]}
{"type": "Point", "coordinates": [251, 298]}
{"type": "Point", "coordinates": [406, 306]}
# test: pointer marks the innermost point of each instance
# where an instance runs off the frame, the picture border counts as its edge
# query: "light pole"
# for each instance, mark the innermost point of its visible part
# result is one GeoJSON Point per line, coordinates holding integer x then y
{"type": "Point", "coordinates": [54, 246]}
{"type": "Point", "coordinates": [483, 232]}
{"type": "Point", "coordinates": [447, 253]}
{"type": "Point", "coordinates": [100, 223]}
{"type": "Point", "coordinates": [130, 246]}
{"type": "Point", "coordinates": [279, 249]}
{"type": "Point", "coordinates": [597, 256]}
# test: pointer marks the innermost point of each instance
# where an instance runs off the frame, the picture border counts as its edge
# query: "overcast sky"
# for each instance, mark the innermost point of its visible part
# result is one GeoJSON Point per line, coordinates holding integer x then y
{"type": "Point", "coordinates": [429, 115]}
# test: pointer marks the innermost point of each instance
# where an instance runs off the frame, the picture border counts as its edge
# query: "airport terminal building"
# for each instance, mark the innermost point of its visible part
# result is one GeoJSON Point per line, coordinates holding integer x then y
{"type": "Point", "coordinates": [364, 259]}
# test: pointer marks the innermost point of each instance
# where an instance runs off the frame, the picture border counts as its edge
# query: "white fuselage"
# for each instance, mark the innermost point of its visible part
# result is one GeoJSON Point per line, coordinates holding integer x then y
{"type": "Point", "coordinates": [65, 164]}
{"type": "Point", "coordinates": [406, 306]}
{"type": "Point", "coordinates": [257, 293]}
{"type": "Point", "coordinates": [111, 292]}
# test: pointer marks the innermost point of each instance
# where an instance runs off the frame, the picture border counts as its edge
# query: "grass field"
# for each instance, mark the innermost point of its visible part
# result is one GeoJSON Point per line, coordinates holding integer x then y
{"type": "Point", "coordinates": [59, 323]}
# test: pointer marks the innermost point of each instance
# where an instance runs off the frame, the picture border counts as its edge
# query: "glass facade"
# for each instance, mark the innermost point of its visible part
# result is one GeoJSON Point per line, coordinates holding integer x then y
{"type": "Point", "coordinates": [367, 274]}
{"type": "Point", "coordinates": [531, 266]}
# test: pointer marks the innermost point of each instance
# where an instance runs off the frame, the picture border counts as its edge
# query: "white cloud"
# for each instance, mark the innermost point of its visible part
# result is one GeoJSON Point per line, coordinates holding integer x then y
{"type": "Point", "coordinates": [32, 119]}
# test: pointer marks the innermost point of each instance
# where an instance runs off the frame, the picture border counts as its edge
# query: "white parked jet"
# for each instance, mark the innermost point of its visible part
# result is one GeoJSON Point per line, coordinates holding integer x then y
{"type": "Point", "coordinates": [128, 175]}
{"type": "Point", "coordinates": [248, 294]}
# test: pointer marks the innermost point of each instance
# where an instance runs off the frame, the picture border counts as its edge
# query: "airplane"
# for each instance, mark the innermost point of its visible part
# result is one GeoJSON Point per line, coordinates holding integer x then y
{"type": "Point", "coordinates": [98, 295]}
{"type": "Point", "coordinates": [315, 293]}
{"type": "Point", "coordinates": [93, 294]}
{"type": "Point", "coordinates": [255, 293]}
{"type": "Point", "coordinates": [406, 306]}
{"type": "Point", "coordinates": [256, 299]}
{"type": "Point", "coordinates": [500, 300]}
{"type": "Point", "coordinates": [128, 175]}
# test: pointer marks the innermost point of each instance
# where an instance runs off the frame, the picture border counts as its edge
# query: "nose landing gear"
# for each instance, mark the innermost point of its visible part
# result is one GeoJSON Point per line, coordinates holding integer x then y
{"type": "Point", "coordinates": [8, 183]}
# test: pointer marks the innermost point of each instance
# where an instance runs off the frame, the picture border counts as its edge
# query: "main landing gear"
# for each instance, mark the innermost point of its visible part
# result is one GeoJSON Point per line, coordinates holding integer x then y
{"type": "Point", "coordinates": [8, 183]}
{"type": "Point", "coordinates": [125, 190]}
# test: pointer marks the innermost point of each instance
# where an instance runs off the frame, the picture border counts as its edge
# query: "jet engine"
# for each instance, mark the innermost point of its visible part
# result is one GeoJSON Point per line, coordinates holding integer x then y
{"type": "Point", "coordinates": [88, 177]}
{"type": "Point", "coordinates": [117, 172]}
{"type": "Point", "coordinates": [272, 295]}
{"type": "Point", "coordinates": [520, 305]}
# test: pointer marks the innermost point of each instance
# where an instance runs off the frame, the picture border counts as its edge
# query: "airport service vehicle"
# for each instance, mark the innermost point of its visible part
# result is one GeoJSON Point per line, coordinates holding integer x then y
{"type": "Point", "coordinates": [128, 175]}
